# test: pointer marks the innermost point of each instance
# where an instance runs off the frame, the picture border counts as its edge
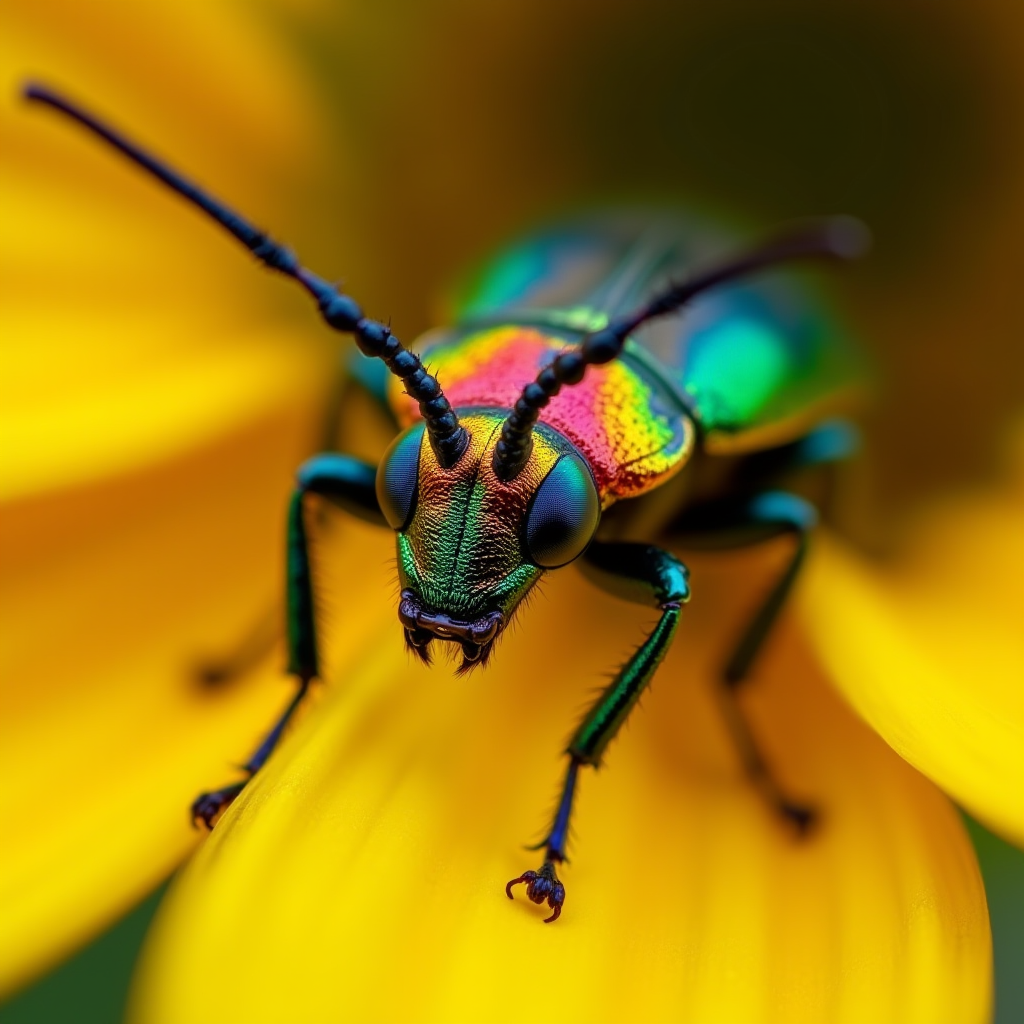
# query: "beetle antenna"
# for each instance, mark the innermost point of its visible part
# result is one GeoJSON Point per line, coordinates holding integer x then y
{"type": "Point", "coordinates": [842, 238]}
{"type": "Point", "coordinates": [447, 437]}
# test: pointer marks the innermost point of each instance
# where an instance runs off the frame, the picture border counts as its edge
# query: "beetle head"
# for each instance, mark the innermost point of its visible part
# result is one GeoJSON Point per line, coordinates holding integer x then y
{"type": "Point", "coordinates": [471, 546]}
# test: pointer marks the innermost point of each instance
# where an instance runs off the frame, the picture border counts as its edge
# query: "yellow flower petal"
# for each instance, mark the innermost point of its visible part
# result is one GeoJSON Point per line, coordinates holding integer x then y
{"type": "Point", "coordinates": [118, 300]}
{"type": "Point", "coordinates": [153, 407]}
{"type": "Point", "coordinates": [360, 877]}
{"type": "Point", "coordinates": [107, 736]}
{"type": "Point", "coordinates": [930, 651]}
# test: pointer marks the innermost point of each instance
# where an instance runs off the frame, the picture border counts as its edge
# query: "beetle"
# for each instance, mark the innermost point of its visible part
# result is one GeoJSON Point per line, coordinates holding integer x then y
{"type": "Point", "coordinates": [574, 395]}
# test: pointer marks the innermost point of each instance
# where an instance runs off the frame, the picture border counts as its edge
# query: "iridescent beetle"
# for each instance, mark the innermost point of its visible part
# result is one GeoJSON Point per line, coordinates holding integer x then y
{"type": "Point", "coordinates": [570, 385]}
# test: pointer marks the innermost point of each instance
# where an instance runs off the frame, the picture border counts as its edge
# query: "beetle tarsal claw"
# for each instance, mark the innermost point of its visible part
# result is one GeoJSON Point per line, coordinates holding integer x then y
{"type": "Point", "coordinates": [207, 808]}
{"type": "Point", "coordinates": [540, 886]}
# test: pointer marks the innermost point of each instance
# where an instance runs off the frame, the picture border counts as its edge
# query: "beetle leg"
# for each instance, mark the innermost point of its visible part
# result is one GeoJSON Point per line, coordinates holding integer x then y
{"type": "Point", "coordinates": [647, 575]}
{"type": "Point", "coordinates": [802, 466]}
{"type": "Point", "coordinates": [355, 398]}
{"type": "Point", "coordinates": [350, 484]}
{"type": "Point", "coordinates": [828, 443]}
{"type": "Point", "coordinates": [208, 807]}
{"type": "Point", "coordinates": [543, 884]}
{"type": "Point", "coordinates": [736, 524]}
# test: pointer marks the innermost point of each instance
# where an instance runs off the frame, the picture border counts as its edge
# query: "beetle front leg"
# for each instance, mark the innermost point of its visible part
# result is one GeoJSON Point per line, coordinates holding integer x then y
{"type": "Point", "coordinates": [350, 484]}
{"type": "Point", "coordinates": [646, 575]}
{"type": "Point", "coordinates": [543, 884]}
{"type": "Point", "coordinates": [263, 633]}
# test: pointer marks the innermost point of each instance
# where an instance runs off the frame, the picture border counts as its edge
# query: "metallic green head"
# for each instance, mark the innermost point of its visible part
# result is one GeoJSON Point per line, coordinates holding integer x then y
{"type": "Point", "coordinates": [470, 546]}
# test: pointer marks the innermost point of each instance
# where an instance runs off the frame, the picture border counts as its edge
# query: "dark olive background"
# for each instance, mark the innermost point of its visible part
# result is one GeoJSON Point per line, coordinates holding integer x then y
{"type": "Point", "coordinates": [460, 123]}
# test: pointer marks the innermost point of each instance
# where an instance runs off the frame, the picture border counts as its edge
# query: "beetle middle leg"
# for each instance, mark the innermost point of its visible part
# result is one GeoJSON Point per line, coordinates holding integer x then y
{"type": "Point", "coordinates": [751, 518]}
{"type": "Point", "coordinates": [646, 575]}
{"type": "Point", "coordinates": [350, 484]}
{"type": "Point", "coordinates": [737, 523]}
{"type": "Point", "coordinates": [360, 398]}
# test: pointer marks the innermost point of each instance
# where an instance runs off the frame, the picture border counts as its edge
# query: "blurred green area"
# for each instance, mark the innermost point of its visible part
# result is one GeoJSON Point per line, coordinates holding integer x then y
{"type": "Point", "coordinates": [1003, 868]}
{"type": "Point", "coordinates": [92, 988]}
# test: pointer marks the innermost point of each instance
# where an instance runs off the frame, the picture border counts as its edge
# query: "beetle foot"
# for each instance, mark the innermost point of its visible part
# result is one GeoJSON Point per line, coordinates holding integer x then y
{"type": "Point", "coordinates": [540, 886]}
{"type": "Point", "coordinates": [799, 816]}
{"type": "Point", "coordinates": [208, 807]}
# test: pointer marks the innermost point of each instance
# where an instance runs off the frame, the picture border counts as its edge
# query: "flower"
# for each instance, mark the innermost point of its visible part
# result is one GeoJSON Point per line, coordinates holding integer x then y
{"type": "Point", "coordinates": [148, 441]}
{"type": "Point", "coordinates": [370, 846]}
{"type": "Point", "coordinates": [945, 623]}
{"type": "Point", "coordinates": [379, 837]}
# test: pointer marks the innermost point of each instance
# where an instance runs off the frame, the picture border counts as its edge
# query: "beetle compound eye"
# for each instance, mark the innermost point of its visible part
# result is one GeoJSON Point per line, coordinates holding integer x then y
{"type": "Point", "coordinates": [564, 514]}
{"type": "Point", "coordinates": [398, 475]}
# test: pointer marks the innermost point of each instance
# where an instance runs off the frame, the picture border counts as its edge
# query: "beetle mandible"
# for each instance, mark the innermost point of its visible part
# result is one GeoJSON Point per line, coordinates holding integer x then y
{"type": "Point", "coordinates": [571, 384]}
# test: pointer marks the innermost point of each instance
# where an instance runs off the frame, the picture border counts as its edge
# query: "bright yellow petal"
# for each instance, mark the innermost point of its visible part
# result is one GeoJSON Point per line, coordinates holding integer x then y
{"type": "Point", "coordinates": [930, 651]}
{"type": "Point", "coordinates": [107, 735]}
{"type": "Point", "coordinates": [360, 878]}
{"type": "Point", "coordinates": [153, 407]}
{"type": "Point", "coordinates": [121, 309]}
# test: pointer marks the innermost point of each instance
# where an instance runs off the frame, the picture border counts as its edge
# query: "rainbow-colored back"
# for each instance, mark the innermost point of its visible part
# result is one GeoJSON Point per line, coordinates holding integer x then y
{"type": "Point", "coordinates": [752, 364]}
{"type": "Point", "coordinates": [632, 430]}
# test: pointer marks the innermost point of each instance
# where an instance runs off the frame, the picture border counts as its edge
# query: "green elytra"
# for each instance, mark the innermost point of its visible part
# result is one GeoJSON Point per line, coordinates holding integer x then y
{"type": "Point", "coordinates": [505, 475]}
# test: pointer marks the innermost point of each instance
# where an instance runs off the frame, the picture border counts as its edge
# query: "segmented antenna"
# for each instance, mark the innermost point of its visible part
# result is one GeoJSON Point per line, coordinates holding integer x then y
{"type": "Point", "coordinates": [841, 238]}
{"type": "Point", "coordinates": [341, 312]}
